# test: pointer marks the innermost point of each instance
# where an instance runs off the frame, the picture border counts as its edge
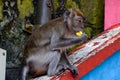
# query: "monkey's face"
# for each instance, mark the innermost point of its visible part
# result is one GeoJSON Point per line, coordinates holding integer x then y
{"type": "Point", "coordinates": [77, 23]}
{"type": "Point", "coordinates": [74, 19]}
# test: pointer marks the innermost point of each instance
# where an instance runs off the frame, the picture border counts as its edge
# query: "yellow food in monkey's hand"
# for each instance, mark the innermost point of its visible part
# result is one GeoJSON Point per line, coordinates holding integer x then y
{"type": "Point", "coordinates": [79, 33]}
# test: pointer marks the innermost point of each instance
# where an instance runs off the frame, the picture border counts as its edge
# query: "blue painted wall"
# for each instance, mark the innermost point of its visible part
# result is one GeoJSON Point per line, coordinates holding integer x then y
{"type": "Point", "coordinates": [108, 70]}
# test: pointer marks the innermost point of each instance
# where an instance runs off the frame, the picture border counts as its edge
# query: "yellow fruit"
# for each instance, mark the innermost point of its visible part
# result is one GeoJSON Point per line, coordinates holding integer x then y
{"type": "Point", "coordinates": [79, 33]}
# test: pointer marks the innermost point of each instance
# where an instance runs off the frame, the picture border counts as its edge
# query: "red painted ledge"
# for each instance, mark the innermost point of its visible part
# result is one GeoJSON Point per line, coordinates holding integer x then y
{"type": "Point", "coordinates": [91, 54]}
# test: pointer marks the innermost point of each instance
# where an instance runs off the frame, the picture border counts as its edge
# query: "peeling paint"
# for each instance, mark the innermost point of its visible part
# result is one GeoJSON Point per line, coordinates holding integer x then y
{"type": "Point", "coordinates": [84, 53]}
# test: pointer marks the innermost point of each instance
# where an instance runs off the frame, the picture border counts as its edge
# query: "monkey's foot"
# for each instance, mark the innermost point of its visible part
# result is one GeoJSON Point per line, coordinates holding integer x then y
{"type": "Point", "coordinates": [74, 71]}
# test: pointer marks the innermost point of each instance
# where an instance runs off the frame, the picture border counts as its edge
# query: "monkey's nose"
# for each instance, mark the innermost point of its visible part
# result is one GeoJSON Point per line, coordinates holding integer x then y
{"type": "Point", "coordinates": [82, 27]}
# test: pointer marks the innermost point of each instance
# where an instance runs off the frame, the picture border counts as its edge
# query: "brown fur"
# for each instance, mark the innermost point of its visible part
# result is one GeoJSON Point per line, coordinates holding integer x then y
{"type": "Point", "coordinates": [45, 47]}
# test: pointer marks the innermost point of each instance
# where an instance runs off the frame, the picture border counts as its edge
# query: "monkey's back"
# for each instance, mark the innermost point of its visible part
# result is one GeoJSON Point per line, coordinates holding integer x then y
{"type": "Point", "coordinates": [41, 37]}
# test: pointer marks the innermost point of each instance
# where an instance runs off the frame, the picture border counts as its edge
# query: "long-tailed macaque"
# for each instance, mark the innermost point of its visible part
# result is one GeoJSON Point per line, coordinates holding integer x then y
{"type": "Point", "coordinates": [45, 53]}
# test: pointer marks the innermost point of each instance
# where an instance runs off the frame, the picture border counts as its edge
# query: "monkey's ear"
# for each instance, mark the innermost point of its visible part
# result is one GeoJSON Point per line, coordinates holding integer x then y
{"type": "Point", "coordinates": [66, 15]}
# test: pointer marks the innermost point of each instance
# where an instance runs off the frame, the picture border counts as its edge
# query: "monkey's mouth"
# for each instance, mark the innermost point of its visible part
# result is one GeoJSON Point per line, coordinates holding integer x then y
{"type": "Point", "coordinates": [78, 29]}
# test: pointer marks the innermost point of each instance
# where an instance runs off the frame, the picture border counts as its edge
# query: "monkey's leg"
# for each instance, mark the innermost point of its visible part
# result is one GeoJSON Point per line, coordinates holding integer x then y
{"type": "Point", "coordinates": [64, 60]}
{"type": "Point", "coordinates": [52, 68]}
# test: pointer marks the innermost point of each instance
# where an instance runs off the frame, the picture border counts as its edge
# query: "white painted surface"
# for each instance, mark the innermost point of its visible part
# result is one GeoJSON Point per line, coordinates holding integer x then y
{"type": "Point", "coordinates": [2, 64]}
{"type": "Point", "coordinates": [83, 53]}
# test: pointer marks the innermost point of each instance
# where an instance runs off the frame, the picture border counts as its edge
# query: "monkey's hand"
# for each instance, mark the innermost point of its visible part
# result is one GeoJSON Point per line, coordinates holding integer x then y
{"type": "Point", "coordinates": [67, 42]}
{"type": "Point", "coordinates": [74, 71]}
{"type": "Point", "coordinates": [81, 37]}
{"type": "Point", "coordinates": [84, 37]}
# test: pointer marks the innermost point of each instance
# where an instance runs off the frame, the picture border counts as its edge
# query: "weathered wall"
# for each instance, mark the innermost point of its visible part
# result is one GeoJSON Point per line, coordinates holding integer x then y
{"type": "Point", "coordinates": [112, 13]}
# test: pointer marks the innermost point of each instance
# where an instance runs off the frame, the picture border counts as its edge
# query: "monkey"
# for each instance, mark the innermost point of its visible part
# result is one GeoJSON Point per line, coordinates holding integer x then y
{"type": "Point", "coordinates": [45, 50]}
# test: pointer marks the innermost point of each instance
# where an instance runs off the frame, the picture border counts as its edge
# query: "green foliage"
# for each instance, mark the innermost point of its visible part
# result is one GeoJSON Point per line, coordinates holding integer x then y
{"type": "Point", "coordinates": [88, 31]}
{"type": "Point", "coordinates": [13, 33]}
{"type": "Point", "coordinates": [94, 11]}
{"type": "Point", "coordinates": [69, 4]}
{"type": "Point", "coordinates": [1, 5]}
{"type": "Point", "coordinates": [56, 4]}
{"type": "Point", "coordinates": [96, 31]}
{"type": "Point", "coordinates": [26, 8]}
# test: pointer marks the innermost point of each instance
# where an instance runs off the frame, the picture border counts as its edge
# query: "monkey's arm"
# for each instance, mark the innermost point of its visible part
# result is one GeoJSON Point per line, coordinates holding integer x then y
{"type": "Point", "coordinates": [67, 42]}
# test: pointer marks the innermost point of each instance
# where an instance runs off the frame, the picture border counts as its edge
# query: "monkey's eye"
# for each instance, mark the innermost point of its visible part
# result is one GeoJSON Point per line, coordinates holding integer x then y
{"type": "Point", "coordinates": [78, 21]}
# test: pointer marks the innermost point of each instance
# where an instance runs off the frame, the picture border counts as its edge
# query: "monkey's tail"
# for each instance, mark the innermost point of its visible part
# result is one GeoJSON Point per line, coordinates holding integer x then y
{"type": "Point", "coordinates": [24, 72]}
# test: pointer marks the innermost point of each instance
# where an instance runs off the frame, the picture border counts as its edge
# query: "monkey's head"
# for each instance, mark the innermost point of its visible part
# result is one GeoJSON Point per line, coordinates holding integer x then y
{"type": "Point", "coordinates": [74, 20]}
